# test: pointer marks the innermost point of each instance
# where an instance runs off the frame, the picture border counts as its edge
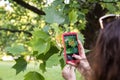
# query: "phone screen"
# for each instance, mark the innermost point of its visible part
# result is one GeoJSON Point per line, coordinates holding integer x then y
{"type": "Point", "coordinates": [71, 45]}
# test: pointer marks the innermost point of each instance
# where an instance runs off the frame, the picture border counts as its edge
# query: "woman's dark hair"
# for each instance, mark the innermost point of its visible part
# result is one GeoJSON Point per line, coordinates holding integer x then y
{"type": "Point", "coordinates": [106, 64]}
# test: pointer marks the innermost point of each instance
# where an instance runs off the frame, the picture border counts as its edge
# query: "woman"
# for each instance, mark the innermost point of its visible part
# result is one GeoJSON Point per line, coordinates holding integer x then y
{"type": "Point", "coordinates": [105, 63]}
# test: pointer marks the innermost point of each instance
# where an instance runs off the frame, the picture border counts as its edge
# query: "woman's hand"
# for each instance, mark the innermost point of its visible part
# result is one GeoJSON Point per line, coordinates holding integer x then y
{"type": "Point", "coordinates": [83, 65]}
{"type": "Point", "coordinates": [68, 72]}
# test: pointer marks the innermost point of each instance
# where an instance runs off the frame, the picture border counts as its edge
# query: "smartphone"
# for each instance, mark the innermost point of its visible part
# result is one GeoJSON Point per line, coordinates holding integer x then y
{"type": "Point", "coordinates": [70, 41]}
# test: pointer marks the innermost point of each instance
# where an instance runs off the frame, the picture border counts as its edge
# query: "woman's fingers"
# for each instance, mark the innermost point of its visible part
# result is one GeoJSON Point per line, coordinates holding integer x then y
{"type": "Point", "coordinates": [76, 56]}
{"type": "Point", "coordinates": [71, 63]}
{"type": "Point", "coordinates": [68, 68]}
{"type": "Point", "coordinates": [68, 72]}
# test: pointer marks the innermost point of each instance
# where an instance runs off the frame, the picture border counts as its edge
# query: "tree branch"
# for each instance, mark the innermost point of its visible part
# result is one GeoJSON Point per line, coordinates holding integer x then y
{"type": "Point", "coordinates": [19, 31]}
{"type": "Point", "coordinates": [32, 8]}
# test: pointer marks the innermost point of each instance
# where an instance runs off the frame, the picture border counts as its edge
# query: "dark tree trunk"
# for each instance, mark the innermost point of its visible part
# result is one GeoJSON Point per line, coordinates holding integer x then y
{"type": "Point", "coordinates": [92, 25]}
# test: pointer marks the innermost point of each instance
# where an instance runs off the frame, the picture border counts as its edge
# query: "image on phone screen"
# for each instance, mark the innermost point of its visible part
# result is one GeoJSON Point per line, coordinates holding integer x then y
{"type": "Point", "coordinates": [71, 45]}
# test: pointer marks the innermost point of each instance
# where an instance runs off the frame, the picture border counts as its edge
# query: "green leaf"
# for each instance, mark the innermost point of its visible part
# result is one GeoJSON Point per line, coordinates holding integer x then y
{"type": "Point", "coordinates": [40, 41]}
{"type": "Point", "coordinates": [53, 61]}
{"type": "Point", "coordinates": [20, 65]}
{"type": "Point", "coordinates": [33, 76]}
{"type": "Point", "coordinates": [53, 49]}
{"type": "Point", "coordinates": [73, 16]}
{"type": "Point", "coordinates": [111, 8]}
{"type": "Point", "coordinates": [40, 45]}
{"type": "Point", "coordinates": [41, 57]}
{"type": "Point", "coordinates": [62, 63]}
{"type": "Point", "coordinates": [35, 53]}
{"type": "Point", "coordinates": [46, 28]}
{"type": "Point", "coordinates": [50, 58]}
{"type": "Point", "coordinates": [56, 28]}
{"type": "Point", "coordinates": [37, 33]}
{"type": "Point", "coordinates": [43, 66]}
{"type": "Point", "coordinates": [53, 16]}
{"type": "Point", "coordinates": [16, 49]}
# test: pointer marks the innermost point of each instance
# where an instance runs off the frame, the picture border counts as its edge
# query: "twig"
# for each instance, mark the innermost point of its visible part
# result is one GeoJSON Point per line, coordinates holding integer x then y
{"type": "Point", "coordinates": [19, 31]}
{"type": "Point", "coordinates": [32, 8]}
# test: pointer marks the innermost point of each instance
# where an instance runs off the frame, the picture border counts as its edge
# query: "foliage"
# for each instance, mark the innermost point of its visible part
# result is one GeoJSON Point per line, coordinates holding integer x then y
{"type": "Point", "coordinates": [33, 76]}
{"type": "Point", "coordinates": [20, 65]}
{"type": "Point", "coordinates": [15, 50]}
{"type": "Point", "coordinates": [24, 30]}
